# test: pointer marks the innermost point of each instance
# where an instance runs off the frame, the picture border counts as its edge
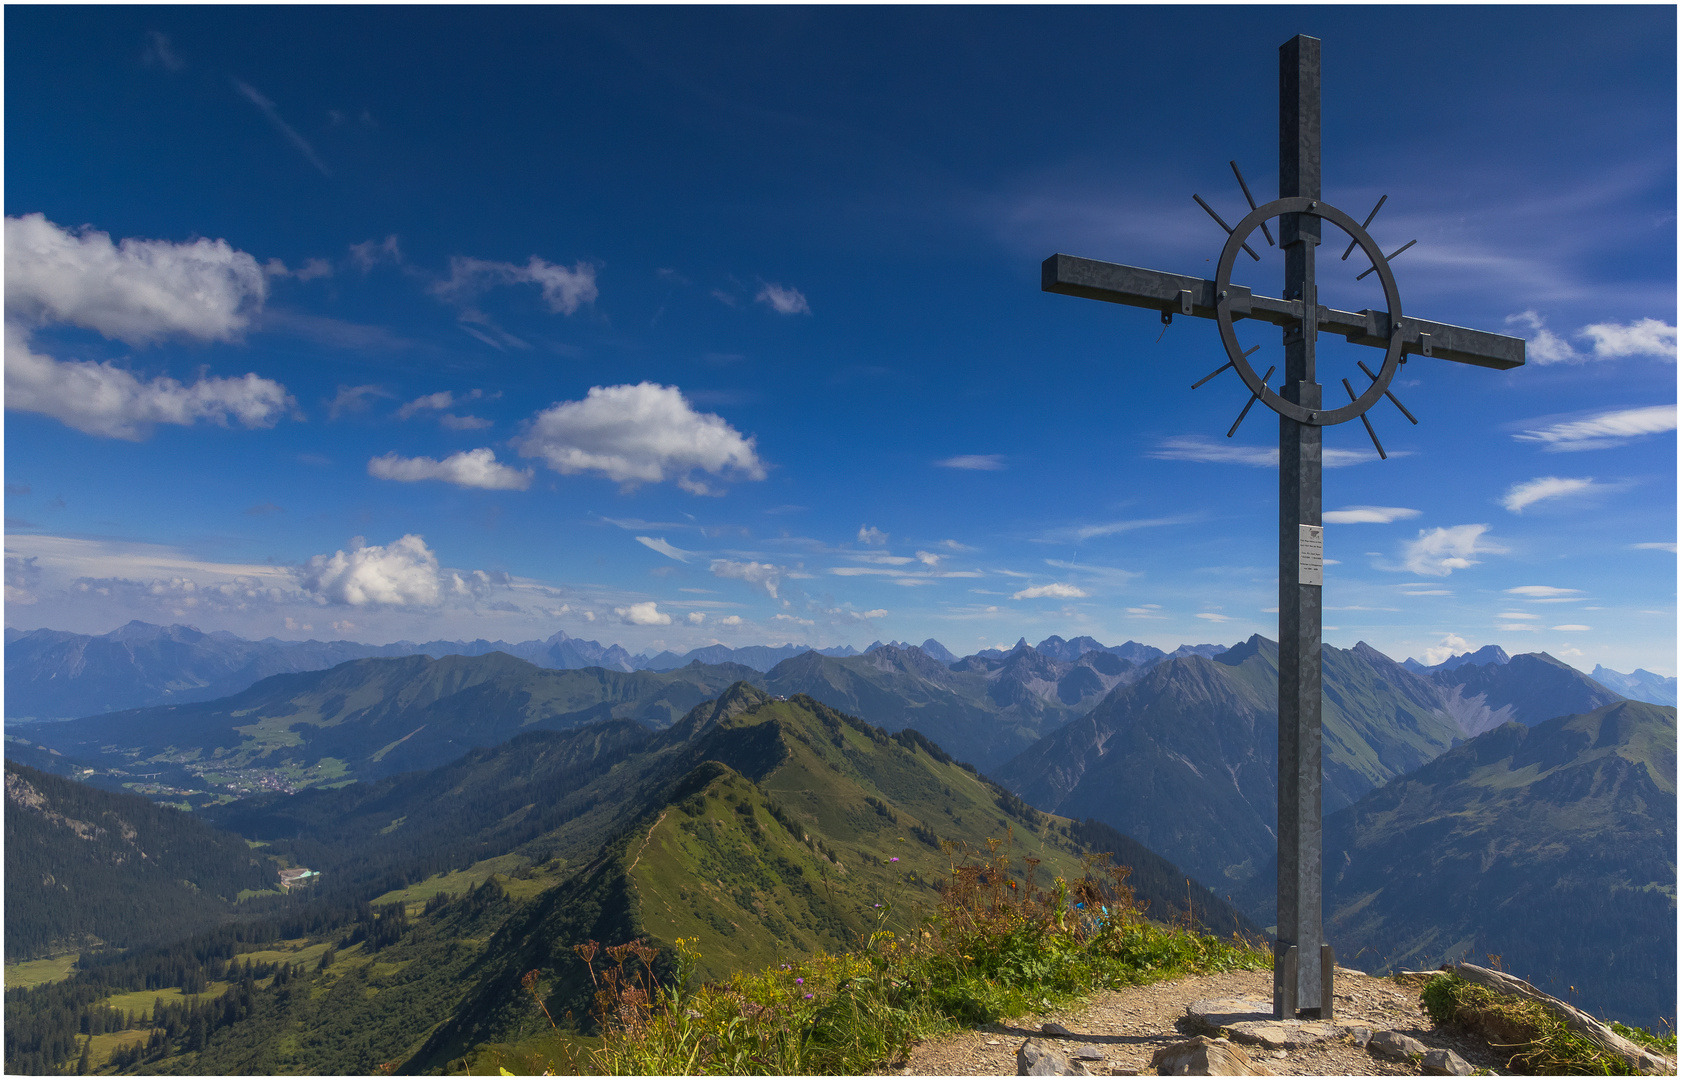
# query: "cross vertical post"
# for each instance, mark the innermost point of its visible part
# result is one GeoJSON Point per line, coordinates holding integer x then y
{"type": "Point", "coordinates": [1300, 502]}
{"type": "Point", "coordinates": [1304, 964]}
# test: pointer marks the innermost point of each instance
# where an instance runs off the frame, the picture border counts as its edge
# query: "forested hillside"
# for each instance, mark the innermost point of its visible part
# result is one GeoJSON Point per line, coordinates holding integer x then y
{"type": "Point", "coordinates": [87, 867]}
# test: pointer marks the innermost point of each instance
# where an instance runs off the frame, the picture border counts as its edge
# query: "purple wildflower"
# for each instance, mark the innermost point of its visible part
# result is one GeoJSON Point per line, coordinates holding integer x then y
{"type": "Point", "coordinates": [808, 997]}
{"type": "Point", "coordinates": [799, 982]}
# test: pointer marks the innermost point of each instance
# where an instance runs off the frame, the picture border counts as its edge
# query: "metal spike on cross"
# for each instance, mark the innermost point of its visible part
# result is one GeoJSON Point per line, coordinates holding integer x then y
{"type": "Point", "coordinates": [1303, 965]}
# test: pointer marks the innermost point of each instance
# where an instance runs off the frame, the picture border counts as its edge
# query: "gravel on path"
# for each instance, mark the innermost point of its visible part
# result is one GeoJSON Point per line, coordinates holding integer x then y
{"type": "Point", "coordinates": [1129, 1026]}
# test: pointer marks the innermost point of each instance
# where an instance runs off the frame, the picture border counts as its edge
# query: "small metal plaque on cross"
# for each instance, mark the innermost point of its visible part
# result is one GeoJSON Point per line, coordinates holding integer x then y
{"type": "Point", "coordinates": [1304, 965]}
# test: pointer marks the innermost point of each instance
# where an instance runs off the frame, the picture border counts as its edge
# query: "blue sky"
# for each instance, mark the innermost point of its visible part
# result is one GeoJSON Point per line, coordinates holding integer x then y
{"type": "Point", "coordinates": [671, 326]}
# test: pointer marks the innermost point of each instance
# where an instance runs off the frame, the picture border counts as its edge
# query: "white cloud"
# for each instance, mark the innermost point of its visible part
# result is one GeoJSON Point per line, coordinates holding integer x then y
{"type": "Point", "coordinates": [139, 292]}
{"type": "Point", "coordinates": [468, 468]}
{"type": "Point", "coordinates": [1197, 448]}
{"type": "Point", "coordinates": [1644, 337]}
{"type": "Point", "coordinates": [403, 574]}
{"type": "Point", "coordinates": [880, 558]}
{"type": "Point", "coordinates": [660, 545]}
{"type": "Point", "coordinates": [1055, 589]}
{"type": "Point", "coordinates": [464, 423]}
{"type": "Point", "coordinates": [1514, 615]}
{"type": "Point", "coordinates": [1368, 515]}
{"type": "Point", "coordinates": [793, 619]}
{"type": "Point", "coordinates": [101, 399]}
{"type": "Point", "coordinates": [1452, 645]}
{"type": "Point", "coordinates": [928, 558]}
{"type": "Point", "coordinates": [1602, 430]}
{"type": "Point", "coordinates": [1572, 628]}
{"type": "Point", "coordinates": [763, 575]}
{"type": "Point", "coordinates": [1543, 346]}
{"type": "Point", "coordinates": [982, 462]}
{"type": "Point", "coordinates": [1656, 545]}
{"type": "Point", "coordinates": [869, 534]}
{"type": "Point", "coordinates": [1214, 617]}
{"type": "Point", "coordinates": [564, 291]}
{"type": "Point", "coordinates": [730, 620]}
{"type": "Point", "coordinates": [638, 434]}
{"type": "Point", "coordinates": [646, 613]}
{"type": "Point", "coordinates": [783, 301]}
{"type": "Point", "coordinates": [1648, 337]}
{"type": "Point", "coordinates": [696, 617]}
{"type": "Point", "coordinates": [1439, 552]}
{"type": "Point", "coordinates": [1544, 487]}
{"type": "Point", "coordinates": [1541, 592]}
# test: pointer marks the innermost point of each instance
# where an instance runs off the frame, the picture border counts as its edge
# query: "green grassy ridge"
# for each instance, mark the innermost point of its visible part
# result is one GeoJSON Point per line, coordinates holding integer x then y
{"type": "Point", "coordinates": [792, 821]}
{"type": "Point", "coordinates": [1551, 846]}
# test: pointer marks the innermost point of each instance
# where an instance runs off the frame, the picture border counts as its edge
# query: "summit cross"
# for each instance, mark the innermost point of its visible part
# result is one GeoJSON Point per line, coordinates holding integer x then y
{"type": "Point", "coordinates": [1303, 965]}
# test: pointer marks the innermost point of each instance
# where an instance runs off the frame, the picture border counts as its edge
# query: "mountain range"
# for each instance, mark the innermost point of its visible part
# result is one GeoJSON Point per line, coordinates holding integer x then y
{"type": "Point", "coordinates": [56, 675]}
{"type": "Point", "coordinates": [1549, 846]}
{"type": "Point", "coordinates": [762, 811]}
{"type": "Point", "coordinates": [1185, 758]}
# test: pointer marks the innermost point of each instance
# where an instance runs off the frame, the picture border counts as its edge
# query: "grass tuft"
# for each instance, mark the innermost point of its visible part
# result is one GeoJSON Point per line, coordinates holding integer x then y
{"type": "Point", "coordinates": [1537, 1041]}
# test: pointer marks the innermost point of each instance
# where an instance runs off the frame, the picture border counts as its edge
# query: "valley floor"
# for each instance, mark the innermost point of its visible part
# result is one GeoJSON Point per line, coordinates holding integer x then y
{"type": "Point", "coordinates": [1129, 1026]}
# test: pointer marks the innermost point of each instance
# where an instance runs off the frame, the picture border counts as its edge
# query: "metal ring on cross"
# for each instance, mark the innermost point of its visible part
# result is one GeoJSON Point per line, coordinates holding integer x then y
{"type": "Point", "coordinates": [1228, 336]}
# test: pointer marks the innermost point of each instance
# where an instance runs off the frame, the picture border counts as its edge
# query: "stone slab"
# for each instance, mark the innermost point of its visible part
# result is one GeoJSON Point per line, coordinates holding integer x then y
{"type": "Point", "coordinates": [1284, 1034]}
{"type": "Point", "coordinates": [1212, 1014]}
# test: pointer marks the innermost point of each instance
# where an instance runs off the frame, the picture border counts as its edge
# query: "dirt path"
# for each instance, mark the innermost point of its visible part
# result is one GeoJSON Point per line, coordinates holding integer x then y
{"type": "Point", "coordinates": [1128, 1026]}
{"type": "Point", "coordinates": [645, 840]}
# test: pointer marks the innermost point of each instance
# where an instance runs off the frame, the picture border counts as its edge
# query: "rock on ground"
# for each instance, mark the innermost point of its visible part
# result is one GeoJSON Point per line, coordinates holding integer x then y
{"type": "Point", "coordinates": [1203, 1056]}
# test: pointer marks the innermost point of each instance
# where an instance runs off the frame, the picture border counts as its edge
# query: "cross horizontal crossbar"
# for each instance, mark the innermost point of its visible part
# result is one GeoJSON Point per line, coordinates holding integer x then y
{"type": "Point", "coordinates": [1161, 291]}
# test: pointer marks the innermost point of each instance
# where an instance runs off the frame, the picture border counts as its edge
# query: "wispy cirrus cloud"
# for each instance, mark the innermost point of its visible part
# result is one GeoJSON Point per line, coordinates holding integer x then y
{"type": "Point", "coordinates": [1544, 593]}
{"type": "Point", "coordinates": [976, 462]}
{"type": "Point", "coordinates": [1601, 430]}
{"type": "Point", "coordinates": [1056, 590]}
{"type": "Point", "coordinates": [670, 551]}
{"type": "Point", "coordinates": [268, 109]}
{"type": "Point", "coordinates": [1439, 552]}
{"type": "Point", "coordinates": [1530, 492]}
{"type": "Point", "coordinates": [1368, 515]}
{"type": "Point", "coordinates": [1198, 448]}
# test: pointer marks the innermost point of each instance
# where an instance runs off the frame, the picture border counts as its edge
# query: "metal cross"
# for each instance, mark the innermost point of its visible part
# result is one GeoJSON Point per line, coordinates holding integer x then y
{"type": "Point", "coordinates": [1301, 986]}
